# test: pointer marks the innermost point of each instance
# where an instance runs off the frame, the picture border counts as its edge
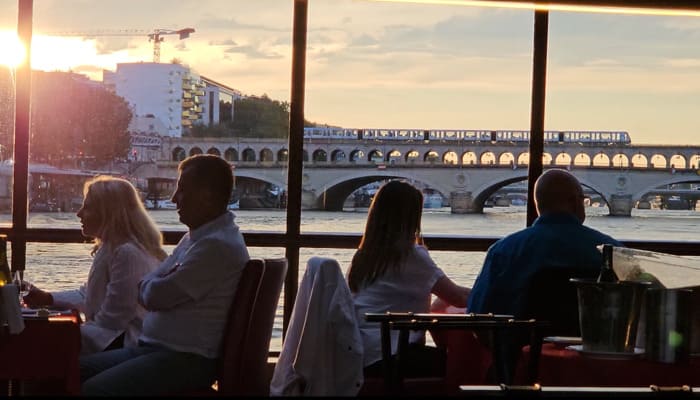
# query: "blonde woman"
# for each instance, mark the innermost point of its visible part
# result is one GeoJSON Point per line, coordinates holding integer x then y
{"type": "Point", "coordinates": [128, 245]}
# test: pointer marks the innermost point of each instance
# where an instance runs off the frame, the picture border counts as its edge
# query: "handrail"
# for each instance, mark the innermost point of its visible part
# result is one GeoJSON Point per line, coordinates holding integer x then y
{"type": "Point", "coordinates": [330, 240]}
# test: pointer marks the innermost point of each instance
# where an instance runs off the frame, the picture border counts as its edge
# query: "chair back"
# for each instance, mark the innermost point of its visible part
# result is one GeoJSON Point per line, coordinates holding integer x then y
{"type": "Point", "coordinates": [552, 297]}
{"type": "Point", "coordinates": [243, 365]}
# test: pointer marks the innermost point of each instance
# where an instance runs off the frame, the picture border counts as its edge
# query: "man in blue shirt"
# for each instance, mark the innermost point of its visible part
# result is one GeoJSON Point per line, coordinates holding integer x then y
{"type": "Point", "coordinates": [517, 277]}
{"type": "Point", "coordinates": [557, 239]}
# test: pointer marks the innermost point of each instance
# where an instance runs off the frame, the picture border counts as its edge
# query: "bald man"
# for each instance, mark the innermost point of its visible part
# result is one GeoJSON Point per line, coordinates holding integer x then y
{"type": "Point", "coordinates": [556, 242]}
{"type": "Point", "coordinates": [526, 274]}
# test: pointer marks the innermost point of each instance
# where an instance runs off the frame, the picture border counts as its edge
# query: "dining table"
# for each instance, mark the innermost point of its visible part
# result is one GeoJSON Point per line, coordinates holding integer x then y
{"type": "Point", "coordinates": [567, 365]}
{"type": "Point", "coordinates": [47, 349]}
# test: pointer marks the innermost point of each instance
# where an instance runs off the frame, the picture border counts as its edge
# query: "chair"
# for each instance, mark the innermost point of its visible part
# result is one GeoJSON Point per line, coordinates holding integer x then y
{"type": "Point", "coordinates": [322, 351]}
{"type": "Point", "coordinates": [552, 297]}
{"type": "Point", "coordinates": [243, 369]}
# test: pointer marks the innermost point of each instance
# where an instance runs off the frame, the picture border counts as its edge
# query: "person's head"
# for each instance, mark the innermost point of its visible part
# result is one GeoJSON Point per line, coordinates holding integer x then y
{"type": "Point", "coordinates": [557, 191]}
{"type": "Point", "coordinates": [203, 189]}
{"type": "Point", "coordinates": [113, 213]}
{"type": "Point", "coordinates": [392, 229]}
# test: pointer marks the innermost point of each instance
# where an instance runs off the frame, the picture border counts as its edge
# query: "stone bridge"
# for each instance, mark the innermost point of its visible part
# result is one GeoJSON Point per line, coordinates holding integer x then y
{"type": "Point", "coordinates": [326, 186]}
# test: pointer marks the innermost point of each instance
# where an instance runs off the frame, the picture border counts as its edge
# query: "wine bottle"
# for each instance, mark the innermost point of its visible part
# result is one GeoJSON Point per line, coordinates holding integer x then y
{"type": "Point", "coordinates": [5, 273]}
{"type": "Point", "coordinates": [607, 274]}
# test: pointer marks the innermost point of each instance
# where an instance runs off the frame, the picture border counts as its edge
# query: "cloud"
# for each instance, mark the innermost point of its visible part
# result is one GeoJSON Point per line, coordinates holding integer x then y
{"type": "Point", "coordinates": [682, 63]}
{"type": "Point", "coordinates": [252, 52]}
{"type": "Point", "coordinates": [225, 42]}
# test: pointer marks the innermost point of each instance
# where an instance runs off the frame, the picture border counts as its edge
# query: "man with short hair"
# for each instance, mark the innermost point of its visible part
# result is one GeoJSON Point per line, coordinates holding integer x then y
{"type": "Point", "coordinates": [557, 239]}
{"type": "Point", "coordinates": [526, 274]}
{"type": "Point", "coordinates": [187, 297]}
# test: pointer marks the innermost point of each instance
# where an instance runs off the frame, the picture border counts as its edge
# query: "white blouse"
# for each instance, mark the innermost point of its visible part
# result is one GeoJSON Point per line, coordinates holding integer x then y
{"type": "Point", "coordinates": [109, 297]}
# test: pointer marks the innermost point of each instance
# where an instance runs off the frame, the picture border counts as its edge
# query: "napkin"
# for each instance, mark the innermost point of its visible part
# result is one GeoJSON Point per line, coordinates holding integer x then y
{"type": "Point", "coordinates": [10, 312]}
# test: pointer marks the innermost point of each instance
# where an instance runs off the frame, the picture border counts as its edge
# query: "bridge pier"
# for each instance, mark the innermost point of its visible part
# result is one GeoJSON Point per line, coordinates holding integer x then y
{"type": "Point", "coordinates": [621, 205]}
{"type": "Point", "coordinates": [461, 203]}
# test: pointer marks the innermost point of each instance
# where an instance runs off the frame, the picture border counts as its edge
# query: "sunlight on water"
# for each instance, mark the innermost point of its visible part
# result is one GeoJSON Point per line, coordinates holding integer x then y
{"type": "Point", "coordinates": [58, 266]}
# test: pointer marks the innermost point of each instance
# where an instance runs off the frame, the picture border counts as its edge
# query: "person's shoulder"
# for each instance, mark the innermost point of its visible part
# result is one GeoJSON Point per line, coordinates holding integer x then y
{"type": "Point", "coordinates": [601, 237]}
{"type": "Point", "coordinates": [515, 237]}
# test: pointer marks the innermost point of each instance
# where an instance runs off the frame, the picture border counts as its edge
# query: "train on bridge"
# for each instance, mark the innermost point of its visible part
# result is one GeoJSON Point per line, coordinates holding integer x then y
{"type": "Point", "coordinates": [501, 136]}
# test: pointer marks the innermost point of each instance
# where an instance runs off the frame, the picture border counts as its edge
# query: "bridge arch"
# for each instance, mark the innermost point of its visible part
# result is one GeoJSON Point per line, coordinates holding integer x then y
{"type": "Point", "coordinates": [639, 160]}
{"type": "Point", "coordinates": [319, 155]}
{"type": "Point", "coordinates": [179, 154]}
{"type": "Point", "coordinates": [333, 195]}
{"type": "Point", "coordinates": [469, 158]}
{"type": "Point", "coordinates": [412, 156]}
{"type": "Point", "coordinates": [487, 158]}
{"type": "Point", "coordinates": [524, 158]}
{"type": "Point", "coordinates": [695, 161]}
{"type": "Point", "coordinates": [231, 154]}
{"type": "Point", "coordinates": [678, 161]}
{"type": "Point", "coordinates": [248, 155]}
{"type": "Point", "coordinates": [620, 160]}
{"type": "Point", "coordinates": [195, 150]}
{"type": "Point", "coordinates": [431, 156]}
{"type": "Point", "coordinates": [563, 159]}
{"type": "Point", "coordinates": [673, 179]}
{"type": "Point", "coordinates": [450, 157]}
{"type": "Point", "coordinates": [338, 156]}
{"type": "Point", "coordinates": [282, 155]}
{"type": "Point", "coordinates": [506, 158]}
{"type": "Point", "coordinates": [266, 155]}
{"type": "Point", "coordinates": [582, 160]}
{"type": "Point", "coordinates": [214, 151]}
{"type": "Point", "coordinates": [357, 155]}
{"type": "Point", "coordinates": [375, 156]}
{"type": "Point", "coordinates": [601, 160]}
{"type": "Point", "coordinates": [393, 157]}
{"type": "Point", "coordinates": [658, 161]}
{"type": "Point", "coordinates": [546, 159]}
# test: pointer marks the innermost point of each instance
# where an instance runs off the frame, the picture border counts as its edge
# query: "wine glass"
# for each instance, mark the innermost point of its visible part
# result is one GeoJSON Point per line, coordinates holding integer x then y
{"type": "Point", "coordinates": [22, 285]}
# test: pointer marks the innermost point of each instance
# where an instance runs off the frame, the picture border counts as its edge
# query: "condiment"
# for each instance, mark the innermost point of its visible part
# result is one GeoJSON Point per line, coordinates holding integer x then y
{"type": "Point", "coordinates": [5, 273]}
{"type": "Point", "coordinates": [607, 274]}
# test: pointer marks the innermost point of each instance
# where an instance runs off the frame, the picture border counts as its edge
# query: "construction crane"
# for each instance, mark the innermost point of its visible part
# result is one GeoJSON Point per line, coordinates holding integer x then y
{"type": "Point", "coordinates": [155, 36]}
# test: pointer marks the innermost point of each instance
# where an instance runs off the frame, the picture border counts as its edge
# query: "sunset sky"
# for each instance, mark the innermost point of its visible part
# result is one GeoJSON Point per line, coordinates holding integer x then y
{"type": "Point", "coordinates": [383, 65]}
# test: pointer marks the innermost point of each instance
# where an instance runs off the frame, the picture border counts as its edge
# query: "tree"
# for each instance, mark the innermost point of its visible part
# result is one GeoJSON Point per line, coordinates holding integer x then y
{"type": "Point", "coordinates": [74, 118]}
{"type": "Point", "coordinates": [260, 117]}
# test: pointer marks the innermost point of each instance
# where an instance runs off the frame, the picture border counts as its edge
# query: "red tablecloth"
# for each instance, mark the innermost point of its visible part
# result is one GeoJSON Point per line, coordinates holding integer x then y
{"type": "Point", "coordinates": [46, 349]}
{"type": "Point", "coordinates": [562, 367]}
{"type": "Point", "coordinates": [468, 360]}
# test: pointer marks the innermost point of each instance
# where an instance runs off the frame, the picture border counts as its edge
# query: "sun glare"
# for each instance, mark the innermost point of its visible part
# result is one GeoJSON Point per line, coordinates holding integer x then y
{"type": "Point", "coordinates": [12, 53]}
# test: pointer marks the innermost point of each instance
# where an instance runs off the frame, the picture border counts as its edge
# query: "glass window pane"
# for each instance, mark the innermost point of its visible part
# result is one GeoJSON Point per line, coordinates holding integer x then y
{"type": "Point", "coordinates": [11, 55]}
{"type": "Point", "coordinates": [628, 85]}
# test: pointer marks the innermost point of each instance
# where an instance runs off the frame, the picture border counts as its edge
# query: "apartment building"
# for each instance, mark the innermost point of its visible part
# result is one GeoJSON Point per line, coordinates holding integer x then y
{"type": "Point", "coordinates": [172, 93]}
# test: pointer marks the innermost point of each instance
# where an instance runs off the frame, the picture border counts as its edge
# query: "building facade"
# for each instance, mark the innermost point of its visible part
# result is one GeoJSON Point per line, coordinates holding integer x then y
{"type": "Point", "coordinates": [171, 93]}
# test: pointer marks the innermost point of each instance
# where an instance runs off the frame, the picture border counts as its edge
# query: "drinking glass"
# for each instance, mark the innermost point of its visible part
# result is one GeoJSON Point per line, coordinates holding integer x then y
{"type": "Point", "coordinates": [22, 285]}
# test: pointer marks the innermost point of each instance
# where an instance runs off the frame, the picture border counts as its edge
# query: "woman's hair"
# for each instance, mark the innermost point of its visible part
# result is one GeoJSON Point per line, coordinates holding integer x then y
{"type": "Point", "coordinates": [391, 232]}
{"type": "Point", "coordinates": [122, 214]}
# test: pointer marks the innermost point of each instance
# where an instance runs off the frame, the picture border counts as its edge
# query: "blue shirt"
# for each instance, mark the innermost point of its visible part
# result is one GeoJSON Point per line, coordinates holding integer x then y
{"type": "Point", "coordinates": [553, 240]}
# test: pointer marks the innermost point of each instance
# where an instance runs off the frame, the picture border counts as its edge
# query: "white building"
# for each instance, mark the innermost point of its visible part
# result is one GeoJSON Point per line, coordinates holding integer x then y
{"type": "Point", "coordinates": [171, 93]}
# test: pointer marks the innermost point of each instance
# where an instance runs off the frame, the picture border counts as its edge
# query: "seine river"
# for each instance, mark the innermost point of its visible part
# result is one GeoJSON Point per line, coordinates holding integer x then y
{"type": "Point", "coordinates": [65, 266]}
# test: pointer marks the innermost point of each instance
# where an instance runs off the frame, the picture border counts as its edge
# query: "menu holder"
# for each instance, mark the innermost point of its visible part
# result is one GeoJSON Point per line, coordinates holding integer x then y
{"type": "Point", "coordinates": [671, 271]}
{"type": "Point", "coordinates": [10, 312]}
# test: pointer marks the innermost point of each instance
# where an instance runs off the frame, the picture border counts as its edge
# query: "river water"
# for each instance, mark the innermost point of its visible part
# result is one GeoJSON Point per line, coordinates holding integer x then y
{"type": "Point", "coordinates": [53, 266]}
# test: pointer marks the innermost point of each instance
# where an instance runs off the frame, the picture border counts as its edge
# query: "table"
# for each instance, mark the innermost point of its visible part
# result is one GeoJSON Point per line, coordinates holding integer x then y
{"type": "Point", "coordinates": [559, 366]}
{"type": "Point", "coordinates": [45, 349]}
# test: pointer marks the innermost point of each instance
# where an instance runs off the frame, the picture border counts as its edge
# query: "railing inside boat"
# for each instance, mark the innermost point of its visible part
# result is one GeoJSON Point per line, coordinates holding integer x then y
{"type": "Point", "coordinates": [318, 240]}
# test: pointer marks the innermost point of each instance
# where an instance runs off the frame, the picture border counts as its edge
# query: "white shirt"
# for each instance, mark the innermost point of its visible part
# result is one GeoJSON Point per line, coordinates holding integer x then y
{"type": "Point", "coordinates": [188, 296]}
{"type": "Point", "coordinates": [405, 290]}
{"type": "Point", "coordinates": [109, 297]}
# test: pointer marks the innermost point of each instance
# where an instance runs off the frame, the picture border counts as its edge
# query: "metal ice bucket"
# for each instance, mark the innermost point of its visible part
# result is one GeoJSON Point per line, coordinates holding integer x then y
{"type": "Point", "coordinates": [668, 325]}
{"type": "Point", "coordinates": [609, 314]}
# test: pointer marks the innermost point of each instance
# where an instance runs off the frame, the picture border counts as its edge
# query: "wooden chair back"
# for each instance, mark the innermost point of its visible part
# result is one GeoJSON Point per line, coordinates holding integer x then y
{"type": "Point", "coordinates": [243, 370]}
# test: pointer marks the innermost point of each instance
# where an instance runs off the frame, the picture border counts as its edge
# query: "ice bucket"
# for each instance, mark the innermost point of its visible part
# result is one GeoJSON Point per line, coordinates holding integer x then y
{"type": "Point", "coordinates": [609, 314]}
{"type": "Point", "coordinates": [668, 325]}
